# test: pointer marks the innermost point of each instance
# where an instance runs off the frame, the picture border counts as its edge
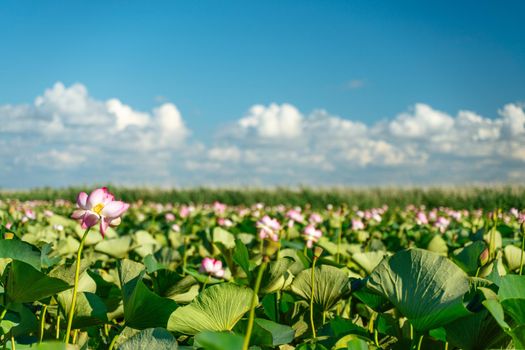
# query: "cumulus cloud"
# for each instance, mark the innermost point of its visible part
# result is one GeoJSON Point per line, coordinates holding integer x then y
{"type": "Point", "coordinates": [66, 129]}
{"type": "Point", "coordinates": [68, 137]}
{"type": "Point", "coordinates": [423, 121]}
{"type": "Point", "coordinates": [422, 145]}
{"type": "Point", "coordinates": [273, 121]}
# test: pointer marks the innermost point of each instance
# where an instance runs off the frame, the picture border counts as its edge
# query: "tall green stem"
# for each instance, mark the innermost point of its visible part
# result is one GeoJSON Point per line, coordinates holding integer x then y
{"type": "Point", "coordinates": [57, 330]}
{"type": "Point", "coordinates": [420, 342]}
{"type": "Point", "coordinates": [312, 324]}
{"type": "Point", "coordinates": [3, 313]}
{"type": "Point", "coordinates": [42, 322]}
{"type": "Point", "coordinates": [185, 255]}
{"type": "Point", "coordinates": [522, 246]}
{"type": "Point", "coordinates": [339, 233]}
{"type": "Point", "coordinates": [75, 287]}
{"type": "Point", "coordinates": [253, 306]}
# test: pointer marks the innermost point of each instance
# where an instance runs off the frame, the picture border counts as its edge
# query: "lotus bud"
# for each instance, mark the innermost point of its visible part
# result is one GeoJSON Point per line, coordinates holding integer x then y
{"type": "Point", "coordinates": [318, 251]}
{"type": "Point", "coordinates": [484, 257]}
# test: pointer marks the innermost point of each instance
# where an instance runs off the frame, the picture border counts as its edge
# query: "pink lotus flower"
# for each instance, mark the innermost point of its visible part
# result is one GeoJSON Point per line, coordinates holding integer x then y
{"type": "Point", "coordinates": [29, 214]}
{"type": "Point", "coordinates": [212, 267]}
{"type": "Point", "coordinates": [442, 224]}
{"type": "Point", "coordinates": [357, 225]}
{"type": "Point", "coordinates": [186, 211]}
{"type": "Point", "coordinates": [312, 235]}
{"type": "Point", "coordinates": [175, 227]}
{"type": "Point", "coordinates": [421, 218]}
{"type": "Point", "coordinates": [219, 208]}
{"type": "Point", "coordinates": [224, 222]}
{"type": "Point", "coordinates": [295, 215]}
{"type": "Point", "coordinates": [315, 218]}
{"type": "Point", "coordinates": [169, 217]}
{"type": "Point", "coordinates": [99, 206]}
{"type": "Point", "coordinates": [269, 227]}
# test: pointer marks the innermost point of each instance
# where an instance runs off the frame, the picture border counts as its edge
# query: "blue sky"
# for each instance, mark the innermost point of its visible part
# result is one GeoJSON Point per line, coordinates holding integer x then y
{"type": "Point", "coordinates": [364, 62]}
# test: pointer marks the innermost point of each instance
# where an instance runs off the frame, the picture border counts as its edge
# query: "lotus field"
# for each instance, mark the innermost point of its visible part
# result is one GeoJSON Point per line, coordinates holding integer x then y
{"type": "Point", "coordinates": [94, 272]}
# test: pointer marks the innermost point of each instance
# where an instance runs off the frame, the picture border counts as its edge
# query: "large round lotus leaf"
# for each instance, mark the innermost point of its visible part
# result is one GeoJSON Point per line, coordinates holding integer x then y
{"type": "Point", "coordinates": [116, 247]}
{"type": "Point", "coordinates": [145, 243]}
{"type": "Point", "coordinates": [26, 284]}
{"type": "Point", "coordinates": [511, 295]}
{"type": "Point", "coordinates": [513, 257]}
{"type": "Point", "coordinates": [151, 338]}
{"type": "Point", "coordinates": [330, 284]}
{"type": "Point", "coordinates": [369, 260]}
{"type": "Point", "coordinates": [477, 331]}
{"type": "Point", "coordinates": [142, 307]}
{"type": "Point", "coordinates": [278, 276]}
{"type": "Point", "coordinates": [424, 286]}
{"type": "Point", "coordinates": [22, 251]}
{"type": "Point", "coordinates": [468, 257]}
{"type": "Point", "coordinates": [438, 245]}
{"type": "Point", "coordinates": [217, 308]}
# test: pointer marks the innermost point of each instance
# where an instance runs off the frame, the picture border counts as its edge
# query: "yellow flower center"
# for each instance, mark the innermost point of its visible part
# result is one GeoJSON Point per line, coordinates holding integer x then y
{"type": "Point", "coordinates": [98, 208]}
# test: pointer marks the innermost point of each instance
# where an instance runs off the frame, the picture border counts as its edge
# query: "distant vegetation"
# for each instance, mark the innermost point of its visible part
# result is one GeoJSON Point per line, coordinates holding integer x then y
{"type": "Point", "coordinates": [504, 197]}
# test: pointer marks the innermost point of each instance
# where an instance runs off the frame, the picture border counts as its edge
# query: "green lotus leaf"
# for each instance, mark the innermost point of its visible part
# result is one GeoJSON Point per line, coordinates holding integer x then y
{"type": "Point", "coordinates": [468, 257]}
{"type": "Point", "coordinates": [242, 257]}
{"type": "Point", "coordinates": [151, 338]}
{"type": "Point", "coordinates": [267, 333]}
{"type": "Point", "coordinates": [224, 237]}
{"type": "Point", "coordinates": [424, 286]}
{"type": "Point", "coordinates": [116, 247]}
{"type": "Point", "coordinates": [438, 245]}
{"type": "Point", "coordinates": [277, 276]}
{"type": "Point", "coordinates": [26, 284]}
{"type": "Point", "coordinates": [218, 341]}
{"type": "Point", "coordinates": [142, 308]}
{"type": "Point", "coordinates": [369, 260]}
{"type": "Point", "coordinates": [90, 309]}
{"type": "Point", "coordinates": [477, 331]}
{"type": "Point", "coordinates": [217, 308]}
{"type": "Point", "coordinates": [145, 243]}
{"type": "Point", "coordinates": [330, 284]}
{"type": "Point", "coordinates": [513, 257]}
{"type": "Point", "coordinates": [28, 322]}
{"type": "Point", "coordinates": [21, 251]}
{"type": "Point", "coordinates": [511, 295]}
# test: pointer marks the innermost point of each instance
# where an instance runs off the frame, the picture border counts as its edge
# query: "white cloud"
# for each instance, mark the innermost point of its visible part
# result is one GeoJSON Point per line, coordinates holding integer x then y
{"type": "Point", "coordinates": [273, 121]}
{"type": "Point", "coordinates": [66, 129]}
{"type": "Point", "coordinates": [68, 137]}
{"type": "Point", "coordinates": [125, 115]}
{"type": "Point", "coordinates": [422, 122]}
{"type": "Point", "coordinates": [513, 119]}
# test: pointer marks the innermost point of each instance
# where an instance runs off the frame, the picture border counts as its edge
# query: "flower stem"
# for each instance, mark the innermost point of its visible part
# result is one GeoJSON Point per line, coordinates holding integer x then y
{"type": "Point", "coordinates": [3, 313]}
{"type": "Point", "coordinates": [113, 342]}
{"type": "Point", "coordinates": [75, 335]}
{"type": "Point", "coordinates": [75, 287]}
{"type": "Point", "coordinates": [312, 324]}
{"type": "Point", "coordinates": [58, 327]}
{"type": "Point", "coordinates": [339, 233]}
{"type": "Point", "coordinates": [185, 256]}
{"type": "Point", "coordinates": [42, 322]}
{"type": "Point", "coordinates": [420, 342]}
{"type": "Point", "coordinates": [522, 246]}
{"type": "Point", "coordinates": [251, 317]}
